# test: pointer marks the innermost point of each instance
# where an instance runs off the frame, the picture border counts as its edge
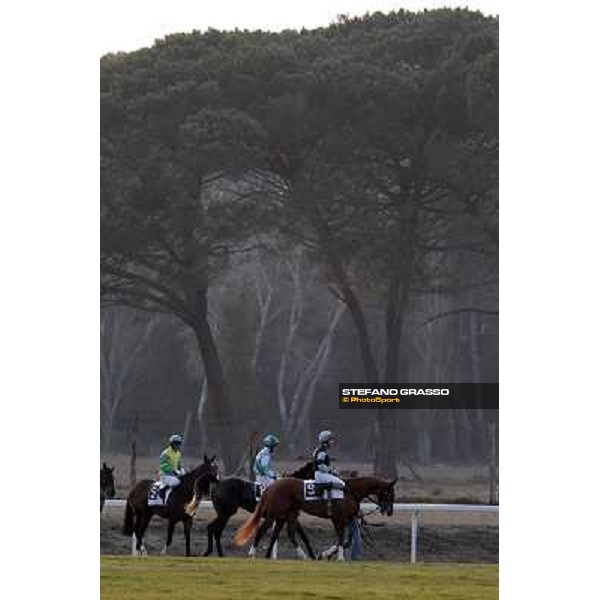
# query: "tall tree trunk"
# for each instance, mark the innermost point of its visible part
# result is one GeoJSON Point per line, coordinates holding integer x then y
{"type": "Point", "coordinates": [218, 410]}
{"type": "Point", "coordinates": [133, 458]}
{"type": "Point", "coordinates": [387, 419]}
{"type": "Point", "coordinates": [200, 415]}
{"type": "Point", "coordinates": [349, 297]}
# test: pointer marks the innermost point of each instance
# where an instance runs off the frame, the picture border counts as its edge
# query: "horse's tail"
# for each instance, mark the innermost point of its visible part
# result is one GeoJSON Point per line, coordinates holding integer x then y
{"type": "Point", "coordinates": [248, 529]}
{"type": "Point", "coordinates": [128, 522]}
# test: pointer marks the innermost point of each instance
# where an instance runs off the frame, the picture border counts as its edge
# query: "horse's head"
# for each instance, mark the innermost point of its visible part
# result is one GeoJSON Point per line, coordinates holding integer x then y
{"type": "Point", "coordinates": [380, 491]}
{"type": "Point", "coordinates": [385, 497]}
{"type": "Point", "coordinates": [107, 481]}
{"type": "Point", "coordinates": [204, 475]}
{"type": "Point", "coordinates": [211, 468]}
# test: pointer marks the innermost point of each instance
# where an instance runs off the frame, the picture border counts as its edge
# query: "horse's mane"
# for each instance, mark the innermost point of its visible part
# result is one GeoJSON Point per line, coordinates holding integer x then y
{"type": "Point", "coordinates": [195, 472]}
{"type": "Point", "coordinates": [354, 481]}
{"type": "Point", "coordinates": [365, 478]}
{"type": "Point", "coordinates": [308, 466]}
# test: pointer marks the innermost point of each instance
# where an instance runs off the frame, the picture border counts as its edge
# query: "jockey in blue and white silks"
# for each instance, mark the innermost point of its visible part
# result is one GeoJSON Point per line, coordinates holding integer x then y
{"type": "Point", "coordinates": [262, 463]}
{"type": "Point", "coordinates": [324, 472]}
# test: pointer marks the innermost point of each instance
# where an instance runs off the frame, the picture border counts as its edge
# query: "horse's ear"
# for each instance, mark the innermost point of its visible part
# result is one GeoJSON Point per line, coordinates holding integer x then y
{"type": "Point", "coordinates": [205, 459]}
{"type": "Point", "coordinates": [104, 465]}
{"type": "Point", "coordinates": [112, 469]}
{"type": "Point", "coordinates": [393, 483]}
{"type": "Point", "coordinates": [212, 460]}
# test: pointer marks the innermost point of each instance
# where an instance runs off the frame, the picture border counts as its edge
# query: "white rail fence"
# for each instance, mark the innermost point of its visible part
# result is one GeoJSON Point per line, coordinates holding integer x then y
{"type": "Point", "coordinates": [414, 509]}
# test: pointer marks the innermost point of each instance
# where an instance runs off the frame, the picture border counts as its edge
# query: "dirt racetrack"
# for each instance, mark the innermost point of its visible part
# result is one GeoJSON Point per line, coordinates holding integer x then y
{"type": "Point", "coordinates": [447, 537]}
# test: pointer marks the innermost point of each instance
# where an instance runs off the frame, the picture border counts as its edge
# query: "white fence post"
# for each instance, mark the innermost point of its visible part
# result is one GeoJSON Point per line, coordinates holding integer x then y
{"type": "Point", "coordinates": [414, 527]}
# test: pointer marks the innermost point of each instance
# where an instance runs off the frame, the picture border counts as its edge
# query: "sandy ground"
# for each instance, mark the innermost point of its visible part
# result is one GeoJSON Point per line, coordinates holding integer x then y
{"type": "Point", "coordinates": [452, 537]}
{"type": "Point", "coordinates": [448, 537]}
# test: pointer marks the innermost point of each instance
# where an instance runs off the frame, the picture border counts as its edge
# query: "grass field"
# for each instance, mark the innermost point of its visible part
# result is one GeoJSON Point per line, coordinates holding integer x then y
{"type": "Point", "coordinates": [149, 578]}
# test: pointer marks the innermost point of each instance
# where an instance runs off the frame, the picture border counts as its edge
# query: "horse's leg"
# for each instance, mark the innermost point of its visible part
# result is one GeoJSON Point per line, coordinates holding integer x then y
{"type": "Point", "coordinates": [259, 535]}
{"type": "Point", "coordinates": [169, 540]}
{"type": "Point", "coordinates": [219, 526]}
{"type": "Point", "coordinates": [187, 529]}
{"type": "Point", "coordinates": [210, 532]}
{"type": "Point", "coordinates": [276, 530]}
{"type": "Point", "coordinates": [141, 525]}
{"type": "Point", "coordinates": [134, 536]}
{"type": "Point", "coordinates": [292, 526]}
{"type": "Point", "coordinates": [332, 549]}
{"type": "Point", "coordinates": [340, 528]}
{"type": "Point", "coordinates": [135, 540]}
{"type": "Point", "coordinates": [275, 545]}
{"type": "Point", "coordinates": [305, 539]}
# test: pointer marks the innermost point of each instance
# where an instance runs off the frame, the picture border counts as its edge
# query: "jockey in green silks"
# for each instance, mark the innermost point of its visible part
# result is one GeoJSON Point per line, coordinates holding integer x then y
{"type": "Point", "coordinates": [262, 463]}
{"type": "Point", "coordinates": [170, 462]}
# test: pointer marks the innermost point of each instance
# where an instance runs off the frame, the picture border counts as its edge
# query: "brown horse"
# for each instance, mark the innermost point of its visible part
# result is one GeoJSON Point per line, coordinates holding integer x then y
{"type": "Point", "coordinates": [283, 500]}
{"type": "Point", "coordinates": [138, 513]}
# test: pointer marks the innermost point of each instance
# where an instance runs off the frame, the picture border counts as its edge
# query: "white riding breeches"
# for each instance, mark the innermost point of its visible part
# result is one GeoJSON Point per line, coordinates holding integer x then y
{"type": "Point", "coordinates": [329, 478]}
{"type": "Point", "coordinates": [170, 480]}
{"type": "Point", "coordinates": [264, 480]}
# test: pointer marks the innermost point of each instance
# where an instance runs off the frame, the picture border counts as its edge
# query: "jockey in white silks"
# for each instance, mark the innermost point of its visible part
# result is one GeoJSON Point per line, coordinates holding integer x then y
{"type": "Point", "coordinates": [324, 472]}
{"type": "Point", "coordinates": [262, 463]}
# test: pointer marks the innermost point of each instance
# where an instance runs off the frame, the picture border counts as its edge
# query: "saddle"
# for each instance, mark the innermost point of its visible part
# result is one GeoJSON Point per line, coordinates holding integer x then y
{"type": "Point", "coordinates": [321, 491]}
{"type": "Point", "coordinates": [158, 494]}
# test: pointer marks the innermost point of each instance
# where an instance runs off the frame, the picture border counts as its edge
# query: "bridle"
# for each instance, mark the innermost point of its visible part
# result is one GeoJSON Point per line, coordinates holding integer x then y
{"type": "Point", "coordinates": [376, 502]}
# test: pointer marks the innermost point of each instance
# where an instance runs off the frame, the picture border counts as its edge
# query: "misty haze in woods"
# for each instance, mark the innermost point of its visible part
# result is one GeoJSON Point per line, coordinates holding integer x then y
{"type": "Point", "coordinates": [281, 212]}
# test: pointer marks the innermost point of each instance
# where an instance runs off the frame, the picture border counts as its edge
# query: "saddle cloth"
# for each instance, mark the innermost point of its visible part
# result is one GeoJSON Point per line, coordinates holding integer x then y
{"type": "Point", "coordinates": [258, 490]}
{"type": "Point", "coordinates": [321, 491]}
{"type": "Point", "coordinates": [155, 498]}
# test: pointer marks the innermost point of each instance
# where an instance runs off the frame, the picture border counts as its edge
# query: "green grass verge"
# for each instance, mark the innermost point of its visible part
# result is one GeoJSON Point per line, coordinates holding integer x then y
{"type": "Point", "coordinates": [150, 578]}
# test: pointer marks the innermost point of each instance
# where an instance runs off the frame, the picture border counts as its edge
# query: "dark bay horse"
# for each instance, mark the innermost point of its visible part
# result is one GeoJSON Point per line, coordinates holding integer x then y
{"type": "Point", "coordinates": [107, 484]}
{"type": "Point", "coordinates": [283, 500]}
{"type": "Point", "coordinates": [138, 513]}
{"type": "Point", "coordinates": [234, 493]}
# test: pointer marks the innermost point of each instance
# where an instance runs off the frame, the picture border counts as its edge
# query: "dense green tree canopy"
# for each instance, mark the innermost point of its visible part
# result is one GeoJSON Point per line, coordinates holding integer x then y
{"type": "Point", "coordinates": [372, 143]}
